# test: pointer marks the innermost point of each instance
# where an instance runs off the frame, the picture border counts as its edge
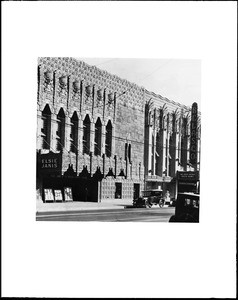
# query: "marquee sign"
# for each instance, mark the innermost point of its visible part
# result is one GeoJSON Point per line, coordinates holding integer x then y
{"type": "Point", "coordinates": [193, 139]}
{"type": "Point", "coordinates": [50, 162]}
{"type": "Point", "coordinates": [188, 176]}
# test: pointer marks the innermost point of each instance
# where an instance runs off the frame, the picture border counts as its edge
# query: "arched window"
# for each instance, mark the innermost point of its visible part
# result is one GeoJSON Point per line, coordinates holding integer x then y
{"type": "Point", "coordinates": [98, 137]}
{"type": "Point", "coordinates": [86, 135]}
{"type": "Point", "coordinates": [60, 133]}
{"type": "Point", "coordinates": [108, 139]}
{"type": "Point", "coordinates": [128, 152]}
{"type": "Point", "coordinates": [45, 131]}
{"type": "Point", "coordinates": [74, 133]}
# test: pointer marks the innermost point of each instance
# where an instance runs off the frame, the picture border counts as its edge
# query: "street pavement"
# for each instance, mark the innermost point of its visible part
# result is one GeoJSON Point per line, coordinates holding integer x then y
{"type": "Point", "coordinates": [109, 211]}
{"type": "Point", "coordinates": [81, 205]}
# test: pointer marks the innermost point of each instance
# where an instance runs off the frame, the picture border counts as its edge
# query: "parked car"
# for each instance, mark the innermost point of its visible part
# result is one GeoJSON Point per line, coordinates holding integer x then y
{"type": "Point", "coordinates": [149, 198]}
{"type": "Point", "coordinates": [186, 208]}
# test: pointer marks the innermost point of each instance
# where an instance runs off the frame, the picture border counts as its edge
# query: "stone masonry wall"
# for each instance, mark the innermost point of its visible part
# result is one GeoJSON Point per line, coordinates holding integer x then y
{"type": "Point", "coordinates": [75, 87]}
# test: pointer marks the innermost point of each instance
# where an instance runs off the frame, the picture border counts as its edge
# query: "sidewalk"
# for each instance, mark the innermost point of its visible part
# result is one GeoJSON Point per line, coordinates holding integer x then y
{"type": "Point", "coordinates": [80, 205]}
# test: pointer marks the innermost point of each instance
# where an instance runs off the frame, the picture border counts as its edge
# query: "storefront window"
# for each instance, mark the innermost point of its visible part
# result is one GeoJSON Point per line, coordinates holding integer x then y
{"type": "Point", "coordinates": [118, 191]}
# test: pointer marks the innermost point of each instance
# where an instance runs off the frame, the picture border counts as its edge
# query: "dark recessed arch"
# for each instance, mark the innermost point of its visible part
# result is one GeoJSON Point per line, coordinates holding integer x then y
{"type": "Point", "coordinates": [108, 148]}
{"type": "Point", "coordinates": [98, 137]}
{"type": "Point", "coordinates": [86, 134]}
{"type": "Point", "coordinates": [46, 127]}
{"type": "Point", "coordinates": [74, 124]}
{"type": "Point", "coordinates": [60, 133]}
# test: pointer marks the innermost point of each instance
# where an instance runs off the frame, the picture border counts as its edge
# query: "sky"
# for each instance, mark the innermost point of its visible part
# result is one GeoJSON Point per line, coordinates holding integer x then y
{"type": "Point", "coordinates": [176, 79]}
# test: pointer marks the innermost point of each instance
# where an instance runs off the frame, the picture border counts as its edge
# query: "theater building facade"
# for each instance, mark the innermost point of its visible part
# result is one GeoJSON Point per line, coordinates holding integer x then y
{"type": "Point", "coordinates": [100, 137]}
{"type": "Point", "coordinates": [90, 133]}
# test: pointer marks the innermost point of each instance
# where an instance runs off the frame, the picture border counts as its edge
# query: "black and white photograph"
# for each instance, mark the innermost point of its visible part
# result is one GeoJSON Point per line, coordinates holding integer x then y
{"type": "Point", "coordinates": [111, 150]}
{"type": "Point", "coordinates": [119, 143]}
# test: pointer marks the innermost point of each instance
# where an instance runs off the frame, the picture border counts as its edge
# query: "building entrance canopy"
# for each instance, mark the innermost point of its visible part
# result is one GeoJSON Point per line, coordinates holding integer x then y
{"type": "Point", "coordinates": [156, 178]}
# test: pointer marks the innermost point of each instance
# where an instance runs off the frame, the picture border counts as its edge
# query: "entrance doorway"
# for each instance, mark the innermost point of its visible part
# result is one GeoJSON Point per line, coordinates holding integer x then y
{"type": "Point", "coordinates": [118, 191]}
{"type": "Point", "coordinates": [136, 190]}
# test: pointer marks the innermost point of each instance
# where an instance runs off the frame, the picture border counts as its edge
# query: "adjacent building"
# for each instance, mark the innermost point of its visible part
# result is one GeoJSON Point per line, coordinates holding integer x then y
{"type": "Point", "coordinates": [167, 147]}
{"type": "Point", "coordinates": [101, 137]}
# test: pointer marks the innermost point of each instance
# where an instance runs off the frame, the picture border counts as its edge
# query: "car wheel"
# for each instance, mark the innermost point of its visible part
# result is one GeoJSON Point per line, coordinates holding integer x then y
{"type": "Point", "coordinates": [172, 219]}
{"type": "Point", "coordinates": [161, 204]}
{"type": "Point", "coordinates": [147, 204]}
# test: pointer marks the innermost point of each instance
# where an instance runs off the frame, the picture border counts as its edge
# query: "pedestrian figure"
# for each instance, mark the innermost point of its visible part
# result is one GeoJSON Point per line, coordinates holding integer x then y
{"type": "Point", "coordinates": [86, 194]}
{"type": "Point", "coordinates": [167, 197]}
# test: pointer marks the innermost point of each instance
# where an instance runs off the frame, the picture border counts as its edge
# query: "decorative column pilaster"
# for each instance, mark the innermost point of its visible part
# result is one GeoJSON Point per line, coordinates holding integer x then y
{"type": "Point", "coordinates": [39, 83]}
{"type": "Point", "coordinates": [103, 138]}
{"type": "Point", "coordinates": [92, 136]}
{"type": "Point", "coordinates": [115, 104]}
{"type": "Point", "coordinates": [150, 150]}
{"type": "Point", "coordinates": [55, 87]}
{"type": "Point", "coordinates": [94, 97]}
{"type": "Point", "coordinates": [176, 143]}
{"type": "Point", "coordinates": [164, 134]}
{"type": "Point", "coordinates": [180, 140]}
{"type": "Point", "coordinates": [104, 102]}
{"type": "Point", "coordinates": [67, 132]}
{"type": "Point", "coordinates": [69, 84]}
{"type": "Point", "coordinates": [168, 152]}
{"type": "Point", "coordinates": [113, 141]}
{"type": "Point", "coordinates": [82, 91]}
{"type": "Point", "coordinates": [54, 128]}
{"type": "Point", "coordinates": [39, 127]}
{"type": "Point", "coordinates": [80, 136]}
{"type": "Point", "coordinates": [169, 135]}
{"type": "Point", "coordinates": [115, 166]}
{"type": "Point", "coordinates": [199, 154]}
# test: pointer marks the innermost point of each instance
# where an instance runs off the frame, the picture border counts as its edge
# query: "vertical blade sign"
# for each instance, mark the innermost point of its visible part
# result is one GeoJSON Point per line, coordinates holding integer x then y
{"type": "Point", "coordinates": [193, 140]}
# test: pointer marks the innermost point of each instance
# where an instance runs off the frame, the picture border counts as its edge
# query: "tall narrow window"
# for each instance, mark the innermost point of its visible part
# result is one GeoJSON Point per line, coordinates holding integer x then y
{"type": "Point", "coordinates": [61, 130]}
{"type": "Point", "coordinates": [157, 154]}
{"type": "Point", "coordinates": [170, 155]}
{"type": "Point", "coordinates": [109, 139]}
{"type": "Point", "coordinates": [74, 133]}
{"type": "Point", "coordinates": [45, 131]}
{"type": "Point", "coordinates": [98, 137]}
{"type": "Point", "coordinates": [86, 135]}
{"type": "Point", "coordinates": [126, 151]}
{"type": "Point", "coordinates": [166, 157]}
{"type": "Point", "coordinates": [183, 152]}
{"type": "Point", "coordinates": [129, 153]}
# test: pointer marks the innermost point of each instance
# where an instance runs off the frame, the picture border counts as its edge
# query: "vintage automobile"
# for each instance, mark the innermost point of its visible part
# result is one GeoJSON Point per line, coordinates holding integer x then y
{"type": "Point", "coordinates": [149, 198]}
{"type": "Point", "coordinates": [186, 208]}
